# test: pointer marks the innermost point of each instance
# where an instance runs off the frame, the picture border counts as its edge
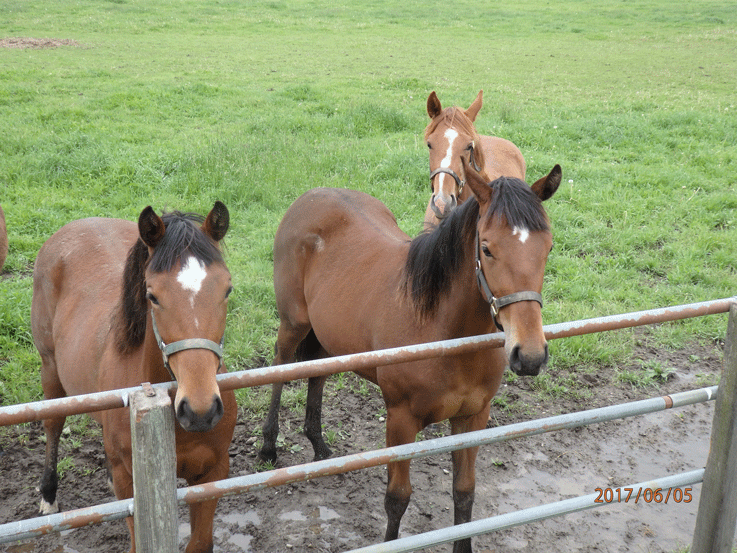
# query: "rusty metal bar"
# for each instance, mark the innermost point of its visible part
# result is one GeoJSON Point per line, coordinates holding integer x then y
{"type": "Point", "coordinates": [36, 527]}
{"type": "Point", "coordinates": [426, 448]}
{"type": "Point", "coordinates": [16, 414]}
{"type": "Point", "coordinates": [517, 518]}
{"type": "Point", "coordinates": [59, 522]}
{"type": "Point", "coordinates": [357, 361]}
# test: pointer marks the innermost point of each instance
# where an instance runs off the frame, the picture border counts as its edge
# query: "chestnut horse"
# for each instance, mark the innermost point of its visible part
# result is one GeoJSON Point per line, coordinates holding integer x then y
{"type": "Point", "coordinates": [116, 304]}
{"type": "Point", "coordinates": [450, 136]}
{"type": "Point", "coordinates": [348, 280]}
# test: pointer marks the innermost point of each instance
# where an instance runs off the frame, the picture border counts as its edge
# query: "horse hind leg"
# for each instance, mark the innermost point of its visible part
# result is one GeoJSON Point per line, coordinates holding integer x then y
{"type": "Point", "coordinates": [287, 341]}
{"type": "Point", "coordinates": [53, 427]}
{"type": "Point", "coordinates": [50, 479]}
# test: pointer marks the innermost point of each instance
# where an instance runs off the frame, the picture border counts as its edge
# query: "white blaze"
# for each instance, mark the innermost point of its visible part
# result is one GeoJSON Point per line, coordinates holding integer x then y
{"type": "Point", "coordinates": [450, 135]}
{"type": "Point", "coordinates": [190, 276]}
{"type": "Point", "coordinates": [524, 234]}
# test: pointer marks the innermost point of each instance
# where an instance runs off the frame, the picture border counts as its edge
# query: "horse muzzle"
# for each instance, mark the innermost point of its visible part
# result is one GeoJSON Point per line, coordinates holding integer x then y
{"type": "Point", "coordinates": [528, 363]}
{"type": "Point", "coordinates": [193, 421]}
{"type": "Point", "coordinates": [442, 206]}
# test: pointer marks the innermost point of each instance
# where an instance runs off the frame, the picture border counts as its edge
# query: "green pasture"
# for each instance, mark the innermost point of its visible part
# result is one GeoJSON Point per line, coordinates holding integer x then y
{"type": "Point", "coordinates": [175, 104]}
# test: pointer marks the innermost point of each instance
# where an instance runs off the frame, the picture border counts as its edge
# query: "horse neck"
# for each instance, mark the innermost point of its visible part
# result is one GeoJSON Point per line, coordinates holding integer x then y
{"type": "Point", "coordinates": [463, 311]}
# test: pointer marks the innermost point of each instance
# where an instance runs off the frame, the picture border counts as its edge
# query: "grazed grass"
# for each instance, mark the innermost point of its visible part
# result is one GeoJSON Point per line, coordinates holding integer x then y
{"type": "Point", "coordinates": [175, 104]}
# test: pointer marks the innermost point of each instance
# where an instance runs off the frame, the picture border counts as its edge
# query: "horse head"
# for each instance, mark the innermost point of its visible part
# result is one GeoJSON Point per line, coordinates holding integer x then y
{"type": "Point", "coordinates": [512, 246]}
{"type": "Point", "coordinates": [451, 137]}
{"type": "Point", "coordinates": [187, 289]}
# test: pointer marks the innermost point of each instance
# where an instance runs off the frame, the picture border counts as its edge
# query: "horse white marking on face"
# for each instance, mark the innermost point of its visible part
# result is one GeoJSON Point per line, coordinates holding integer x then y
{"type": "Point", "coordinates": [524, 234]}
{"type": "Point", "coordinates": [450, 135]}
{"type": "Point", "coordinates": [190, 276]}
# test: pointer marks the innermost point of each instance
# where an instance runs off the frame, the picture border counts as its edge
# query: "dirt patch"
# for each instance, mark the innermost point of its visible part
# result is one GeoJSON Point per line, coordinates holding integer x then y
{"type": "Point", "coordinates": [36, 43]}
{"type": "Point", "coordinates": [343, 512]}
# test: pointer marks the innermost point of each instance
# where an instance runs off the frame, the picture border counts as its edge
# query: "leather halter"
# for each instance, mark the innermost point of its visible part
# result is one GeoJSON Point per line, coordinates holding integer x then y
{"type": "Point", "coordinates": [495, 304]}
{"type": "Point", "coordinates": [449, 171]}
{"type": "Point", "coordinates": [181, 345]}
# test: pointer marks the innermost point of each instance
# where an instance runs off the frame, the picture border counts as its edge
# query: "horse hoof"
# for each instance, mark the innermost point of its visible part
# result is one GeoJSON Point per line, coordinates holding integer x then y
{"type": "Point", "coordinates": [267, 455]}
{"type": "Point", "coordinates": [47, 508]}
{"type": "Point", "coordinates": [323, 454]}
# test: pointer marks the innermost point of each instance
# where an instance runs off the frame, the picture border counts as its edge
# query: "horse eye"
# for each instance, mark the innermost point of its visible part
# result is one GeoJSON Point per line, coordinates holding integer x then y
{"type": "Point", "coordinates": [485, 250]}
{"type": "Point", "coordinates": [429, 146]}
{"type": "Point", "coordinates": [150, 297]}
{"type": "Point", "coordinates": [230, 291]}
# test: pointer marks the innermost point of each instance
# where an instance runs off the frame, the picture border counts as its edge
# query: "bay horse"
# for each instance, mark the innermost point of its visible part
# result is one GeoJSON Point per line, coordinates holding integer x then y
{"type": "Point", "coordinates": [450, 137]}
{"type": "Point", "coordinates": [116, 304]}
{"type": "Point", "coordinates": [348, 280]}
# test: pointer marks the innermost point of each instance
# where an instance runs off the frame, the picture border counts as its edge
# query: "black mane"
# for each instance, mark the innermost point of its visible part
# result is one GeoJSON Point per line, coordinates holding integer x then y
{"type": "Point", "coordinates": [435, 257]}
{"type": "Point", "coordinates": [183, 236]}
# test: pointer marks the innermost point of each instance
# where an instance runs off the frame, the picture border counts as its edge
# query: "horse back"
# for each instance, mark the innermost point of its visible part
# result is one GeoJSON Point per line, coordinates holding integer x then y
{"type": "Point", "coordinates": [502, 158]}
{"type": "Point", "coordinates": [337, 255]}
{"type": "Point", "coordinates": [77, 281]}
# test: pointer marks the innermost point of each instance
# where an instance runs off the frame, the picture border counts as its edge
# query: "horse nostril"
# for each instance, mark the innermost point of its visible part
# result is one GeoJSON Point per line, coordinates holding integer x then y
{"type": "Point", "coordinates": [184, 414]}
{"type": "Point", "coordinates": [192, 422]}
{"type": "Point", "coordinates": [514, 360]}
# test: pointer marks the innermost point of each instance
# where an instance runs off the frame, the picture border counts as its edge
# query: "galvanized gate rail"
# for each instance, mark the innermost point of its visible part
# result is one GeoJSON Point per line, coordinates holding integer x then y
{"type": "Point", "coordinates": [288, 475]}
{"type": "Point", "coordinates": [119, 398]}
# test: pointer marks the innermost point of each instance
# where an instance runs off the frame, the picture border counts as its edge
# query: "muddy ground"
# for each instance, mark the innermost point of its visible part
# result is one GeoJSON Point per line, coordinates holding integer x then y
{"type": "Point", "coordinates": [343, 512]}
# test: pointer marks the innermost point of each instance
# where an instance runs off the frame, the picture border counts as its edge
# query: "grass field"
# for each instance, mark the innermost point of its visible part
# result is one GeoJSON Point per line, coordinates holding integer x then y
{"type": "Point", "coordinates": [175, 104]}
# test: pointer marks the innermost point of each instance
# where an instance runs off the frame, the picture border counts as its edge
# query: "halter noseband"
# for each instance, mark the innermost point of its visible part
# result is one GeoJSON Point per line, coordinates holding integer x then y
{"type": "Point", "coordinates": [449, 171]}
{"type": "Point", "coordinates": [181, 345]}
{"type": "Point", "coordinates": [495, 304]}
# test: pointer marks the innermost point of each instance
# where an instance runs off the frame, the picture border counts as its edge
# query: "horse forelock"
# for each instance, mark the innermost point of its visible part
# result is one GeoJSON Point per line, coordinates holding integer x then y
{"type": "Point", "coordinates": [514, 200]}
{"type": "Point", "coordinates": [456, 118]}
{"type": "Point", "coordinates": [183, 237]}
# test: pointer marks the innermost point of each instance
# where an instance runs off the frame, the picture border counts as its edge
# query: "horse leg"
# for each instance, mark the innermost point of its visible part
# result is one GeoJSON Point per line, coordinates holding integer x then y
{"type": "Point", "coordinates": [122, 484]}
{"type": "Point", "coordinates": [52, 388]}
{"type": "Point", "coordinates": [287, 340]}
{"type": "Point", "coordinates": [270, 429]}
{"type": "Point", "coordinates": [50, 479]}
{"type": "Point", "coordinates": [464, 474]}
{"type": "Point", "coordinates": [401, 428]}
{"type": "Point", "coordinates": [201, 522]}
{"type": "Point", "coordinates": [313, 417]}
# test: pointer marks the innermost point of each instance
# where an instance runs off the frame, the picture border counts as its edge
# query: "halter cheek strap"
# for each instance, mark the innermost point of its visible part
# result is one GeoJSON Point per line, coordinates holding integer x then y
{"type": "Point", "coordinates": [447, 170]}
{"type": "Point", "coordinates": [495, 304]}
{"type": "Point", "coordinates": [181, 345]}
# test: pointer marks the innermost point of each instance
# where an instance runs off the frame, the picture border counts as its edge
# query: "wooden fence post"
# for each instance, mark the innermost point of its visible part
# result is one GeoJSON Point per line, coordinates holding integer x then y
{"type": "Point", "coordinates": [154, 471]}
{"type": "Point", "coordinates": [715, 521]}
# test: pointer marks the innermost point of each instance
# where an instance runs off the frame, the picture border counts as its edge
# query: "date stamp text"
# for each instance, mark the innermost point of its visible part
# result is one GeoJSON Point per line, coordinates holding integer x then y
{"type": "Point", "coordinates": [647, 495]}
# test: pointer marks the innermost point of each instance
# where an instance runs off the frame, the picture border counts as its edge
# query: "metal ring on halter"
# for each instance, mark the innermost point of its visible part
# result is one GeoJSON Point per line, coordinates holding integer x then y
{"type": "Point", "coordinates": [495, 304]}
{"type": "Point", "coordinates": [459, 182]}
{"type": "Point", "coordinates": [181, 345]}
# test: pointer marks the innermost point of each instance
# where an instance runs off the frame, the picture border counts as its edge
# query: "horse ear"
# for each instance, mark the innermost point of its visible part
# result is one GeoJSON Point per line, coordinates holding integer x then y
{"type": "Point", "coordinates": [217, 222]}
{"type": "Point", "coordinates": [478, 184]}
{"type": "Point", "coordinates": [546, 186]}
{"type": "Point", "coordinates": [150, 227]}
{"type": "Point", "coordinates": [473, 109]}
{"type": "Point", "coordinates": [433, 105]}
